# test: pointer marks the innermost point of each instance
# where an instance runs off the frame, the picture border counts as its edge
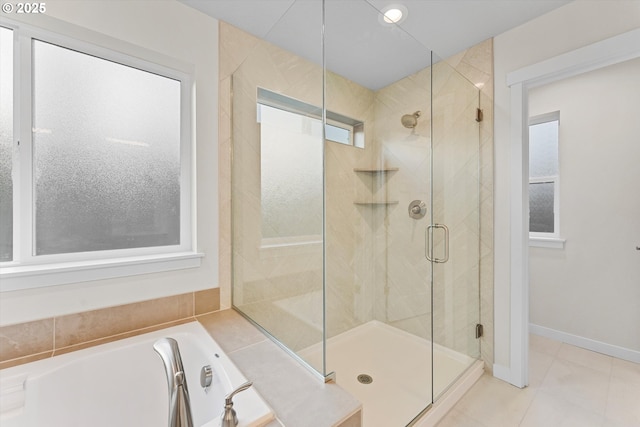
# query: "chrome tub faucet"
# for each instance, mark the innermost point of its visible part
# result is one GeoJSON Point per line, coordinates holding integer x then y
{"type": "Point", "coordinates": [179, 406]}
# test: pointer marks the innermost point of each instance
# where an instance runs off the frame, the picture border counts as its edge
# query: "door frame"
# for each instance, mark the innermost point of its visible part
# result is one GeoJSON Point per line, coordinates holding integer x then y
{"type": "Point", "coordinates": [598, 55]}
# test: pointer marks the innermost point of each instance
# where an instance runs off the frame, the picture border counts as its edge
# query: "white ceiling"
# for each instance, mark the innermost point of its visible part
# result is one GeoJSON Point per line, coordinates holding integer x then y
{"type": "Point", "coordinates": [361, 48]}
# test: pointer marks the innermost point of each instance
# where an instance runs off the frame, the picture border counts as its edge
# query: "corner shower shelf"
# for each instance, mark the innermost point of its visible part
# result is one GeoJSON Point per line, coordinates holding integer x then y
{"type": "Point", "coordinates": [376, 170]}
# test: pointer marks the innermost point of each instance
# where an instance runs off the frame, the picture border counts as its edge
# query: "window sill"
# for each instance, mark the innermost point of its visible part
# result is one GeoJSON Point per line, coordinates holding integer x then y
{"type": "Point", "coordinates": [547, 242]}
{"type": "Point", "coordinates": [290, 246]}
{"type": "Point", "coordinates": [268, 246]}
{"type": "Point", "coordinates": [36, 276]}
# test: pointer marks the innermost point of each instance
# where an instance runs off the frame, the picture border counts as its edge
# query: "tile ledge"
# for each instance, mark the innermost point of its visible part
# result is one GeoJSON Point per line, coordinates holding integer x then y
{"type": "Point", "coordinates": [111, 338]}
{"type": "Point", "coordinates": [10, 363]}
{"type": "Point", "coordinates": [232, 317]}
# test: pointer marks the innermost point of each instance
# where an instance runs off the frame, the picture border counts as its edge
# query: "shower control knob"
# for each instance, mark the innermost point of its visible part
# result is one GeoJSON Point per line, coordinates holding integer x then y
{"type": "Point", "coordinates": [417, 209]}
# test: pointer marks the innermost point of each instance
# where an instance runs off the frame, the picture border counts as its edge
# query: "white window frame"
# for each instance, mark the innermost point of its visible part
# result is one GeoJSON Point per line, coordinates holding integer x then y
{"type": "Point", "coordinates": [541, 239]}
{"type": "Point", "coordinates": [30, 271]}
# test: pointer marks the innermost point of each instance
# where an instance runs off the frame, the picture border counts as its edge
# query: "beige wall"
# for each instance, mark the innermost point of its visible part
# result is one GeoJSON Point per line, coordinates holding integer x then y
{"type": "Point", "coordinates": [175, 31]}
{"type": "Point", "coordinates": [590, 288]}
{"type": "Point", "coordinates": [572, 26]}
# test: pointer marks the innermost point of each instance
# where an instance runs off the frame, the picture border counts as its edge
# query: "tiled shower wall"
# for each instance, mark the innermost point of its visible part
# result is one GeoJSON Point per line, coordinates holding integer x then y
{"type": "Point", "coordinates": [402, 294]}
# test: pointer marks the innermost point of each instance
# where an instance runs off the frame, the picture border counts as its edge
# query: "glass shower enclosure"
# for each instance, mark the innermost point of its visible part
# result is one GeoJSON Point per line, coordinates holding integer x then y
{"type": "Point", "coordinates": [355, 207]}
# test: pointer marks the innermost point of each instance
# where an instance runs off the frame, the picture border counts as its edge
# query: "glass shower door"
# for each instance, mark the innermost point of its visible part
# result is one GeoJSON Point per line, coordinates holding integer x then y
{"type": "Point", "coordinates": [378, 302]}
{"type": "Point", "coordinates": [453, 237]}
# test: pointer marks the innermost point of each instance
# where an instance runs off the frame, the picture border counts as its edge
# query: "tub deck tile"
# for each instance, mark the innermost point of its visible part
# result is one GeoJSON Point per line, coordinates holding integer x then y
{"type": "Point", "coordinates": [294, 393]}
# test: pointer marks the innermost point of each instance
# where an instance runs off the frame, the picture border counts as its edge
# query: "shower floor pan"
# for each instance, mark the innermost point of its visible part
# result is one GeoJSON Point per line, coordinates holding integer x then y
{"type": "Point", "coordinates": [389, 371]}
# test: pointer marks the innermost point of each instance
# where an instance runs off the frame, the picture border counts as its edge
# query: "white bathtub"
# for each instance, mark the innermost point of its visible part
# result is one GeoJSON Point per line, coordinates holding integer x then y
{"type": "Point", "coordinates": [123, 383]}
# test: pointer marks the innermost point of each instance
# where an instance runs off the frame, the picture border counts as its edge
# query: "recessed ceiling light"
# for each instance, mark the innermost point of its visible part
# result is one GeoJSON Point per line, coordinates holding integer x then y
{"type": "Point", "coordinates": [393, 14]}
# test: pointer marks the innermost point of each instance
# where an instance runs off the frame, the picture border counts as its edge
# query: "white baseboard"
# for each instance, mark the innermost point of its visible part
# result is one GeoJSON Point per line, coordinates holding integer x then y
{"type": "Point", "coordinates": [589, 344]}
{"type": "Point", "coordinates": [502, 372]}
{"type": "Point", "coordinates": [506, 374]}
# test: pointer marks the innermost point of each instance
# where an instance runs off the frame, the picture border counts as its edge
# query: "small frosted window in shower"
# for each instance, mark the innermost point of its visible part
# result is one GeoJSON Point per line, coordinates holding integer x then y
{"type": "Point", "coordinates": [290, 176]}
{"type": "Point", "coordinates": [6, 144]}
{"type": "Point", "coordinates": [338, 134]}
{"type": "Point", "coordinates": [338, 128]}
{"type": "Point", "coordinates": [106, 143]}
{"type": "Point", "coordinates": [543, 175]}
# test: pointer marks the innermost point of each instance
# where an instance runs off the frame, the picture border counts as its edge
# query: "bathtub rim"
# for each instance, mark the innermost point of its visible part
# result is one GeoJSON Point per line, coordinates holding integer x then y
{"type": "Point", "coordinates": [14, 379]}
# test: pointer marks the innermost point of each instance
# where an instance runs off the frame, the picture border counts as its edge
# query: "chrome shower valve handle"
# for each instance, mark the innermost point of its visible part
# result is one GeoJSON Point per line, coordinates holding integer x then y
{"type": "Point", "coordinates": [417, 209]}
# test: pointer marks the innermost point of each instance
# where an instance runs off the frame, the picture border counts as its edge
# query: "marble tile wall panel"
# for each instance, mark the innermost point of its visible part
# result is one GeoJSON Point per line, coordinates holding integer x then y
{"type": "Point", "coordinates": [403, 271]}
{"type": "Point", "coordinates": [91, 325]}
{"type": "Point", "coordinates": [27, 339]}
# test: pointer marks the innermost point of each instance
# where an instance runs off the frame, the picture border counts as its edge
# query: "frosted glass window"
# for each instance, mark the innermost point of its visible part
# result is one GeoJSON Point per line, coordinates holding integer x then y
{"type": "Point", "coordinates": [106, 143]}
{"type": "Point", "coordinates": [541, 200]}
{"type": "Point", "coordinates": [338, 134]}
{"type": "Point", "coordinates": [543, 149]}
{"type": "Point", "coordinates": [543, 174]}
{"type": "Point", "coordinates": [6, 144]}
{"type": "Point", "coordinates": [291, 174]}
{"type": "Point", "coordinates": [338, 128]}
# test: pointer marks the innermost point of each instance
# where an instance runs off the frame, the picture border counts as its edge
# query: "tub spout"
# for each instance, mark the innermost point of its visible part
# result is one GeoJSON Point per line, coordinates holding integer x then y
{"type": "Point", "coordinates": [179, 406]}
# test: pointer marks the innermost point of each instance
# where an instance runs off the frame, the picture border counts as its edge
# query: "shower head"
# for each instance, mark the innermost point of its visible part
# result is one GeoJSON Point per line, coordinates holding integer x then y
{"type": "Point", "coordinates": [410, 120]}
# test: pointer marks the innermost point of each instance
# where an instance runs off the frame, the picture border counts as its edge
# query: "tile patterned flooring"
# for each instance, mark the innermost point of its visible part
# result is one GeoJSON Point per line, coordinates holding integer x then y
{"type": "Point", "coordinates": [569, 387]}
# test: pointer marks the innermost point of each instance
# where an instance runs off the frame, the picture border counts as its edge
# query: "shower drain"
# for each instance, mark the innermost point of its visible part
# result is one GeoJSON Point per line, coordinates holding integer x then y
{"type": "Point", "coordinates": [365, 379]}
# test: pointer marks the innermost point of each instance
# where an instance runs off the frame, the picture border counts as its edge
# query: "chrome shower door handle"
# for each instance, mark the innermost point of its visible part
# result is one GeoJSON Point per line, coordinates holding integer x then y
{"type": "Point", "coordinates": [446, 242]}
{"type": "Point", "coordinates": [428, 242]}
{"type": "Point", "coordinates": [428, 253]}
